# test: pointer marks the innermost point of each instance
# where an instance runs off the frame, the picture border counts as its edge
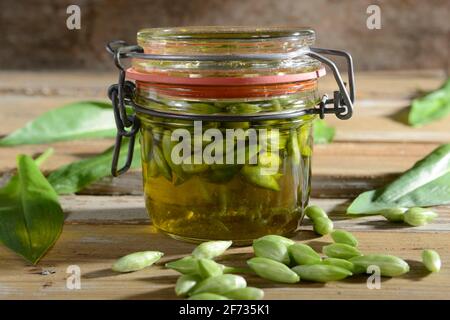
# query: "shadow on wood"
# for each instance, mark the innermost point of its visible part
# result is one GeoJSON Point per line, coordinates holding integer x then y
{"type": "Point", "coordinates": [103, 273]}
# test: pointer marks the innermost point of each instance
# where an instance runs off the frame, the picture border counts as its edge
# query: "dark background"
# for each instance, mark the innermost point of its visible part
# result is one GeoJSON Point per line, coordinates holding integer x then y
{"type": "Point", "coordinates": [414, 33]}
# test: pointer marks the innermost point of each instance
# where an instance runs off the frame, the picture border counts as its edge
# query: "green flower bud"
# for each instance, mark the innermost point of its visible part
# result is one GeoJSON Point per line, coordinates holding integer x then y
{"type": "Point", "coordinates": [190, 265]}
{"type": "Point", "coordinates": [342, 236]}
{"type": "Point", "coordinates": [431, 260]}
{"type": "Point", "coordinates": [211, 249]}
{"type": "Point", "coordinates": [272, 270]}
{"type": "Point", "coordinates": [314, 212]}
{"type": "Point", "coordinates": [248, 293]}
{"type": "Point", "coordinates": [207, 296]}
{"type": "Point", "coordinates": [286, 241]}
{"type": "Point", "coordinates": [419, 216]}
{"type": "Point", "coordinates": [186, 283]}
{"type": "Point", "coordinates": [220, 284]}
{"type": "Point", "coordinates": [341, 263]}
{"type": "Point", "coordinates": [186, 265]}
{"type": "Point", "coordinates": [321, 272]}
{"type": "Point", "coordinates": [340, 251]}
{"type": "Point", "coordinates": [271, 249]}
{"type": "Point", "coordinates": [209, 268]}
{"type": "Point", "coordinates": [136, 261]}
{"type": "Point", "coordinates": [304, 254]}
{"type": "Point", "coordinates": [393, 214]}
{"type": "Point", "coordinates": [390, 266]}
{"type": "Point", "coordinates": [323, 226]}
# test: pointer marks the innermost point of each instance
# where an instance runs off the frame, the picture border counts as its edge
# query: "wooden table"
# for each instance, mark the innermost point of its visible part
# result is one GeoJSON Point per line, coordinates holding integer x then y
{"type": "Point", "coordinates": [108, 219]}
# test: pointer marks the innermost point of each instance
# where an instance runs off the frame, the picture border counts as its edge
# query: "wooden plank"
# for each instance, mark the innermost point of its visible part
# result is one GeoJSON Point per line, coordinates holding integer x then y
{"type": "Point", "coordinates": [94, 248]}
{"type": "Point", "coordinates": [367, 159]}
{"type": "Point", "coordinates": [104, 209]}
{"type": "Point", "coordinates": [131, 210]}
{"type": "Point", "coordinates": [382, 85]}
{"type": "Point", "coordinates": [376, 122]}
{"type": "Point", "coordinates": [56, 83]}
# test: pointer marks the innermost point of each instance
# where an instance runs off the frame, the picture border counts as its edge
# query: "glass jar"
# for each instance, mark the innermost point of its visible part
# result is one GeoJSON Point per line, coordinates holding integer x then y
{"type": "Point", "coordinates": [225, 117]}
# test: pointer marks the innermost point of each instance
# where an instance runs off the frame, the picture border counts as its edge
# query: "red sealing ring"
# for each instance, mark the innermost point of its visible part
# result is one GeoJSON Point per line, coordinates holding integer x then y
{"type": "Point", "coordinates": [224, 81]}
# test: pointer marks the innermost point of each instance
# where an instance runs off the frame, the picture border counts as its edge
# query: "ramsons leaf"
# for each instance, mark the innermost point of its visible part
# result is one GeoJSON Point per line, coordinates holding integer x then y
{"type": "Point", "coordinates": [433, 106]}
{"type": "Point", "coordinates": [77, 175]}
{"type": "Point", "coordinates": [427, 183]}
{"type": "Point", "coordinates": [44, 156]}
{"type": "Point", "coordinates": [78, 120]}
{"type": "Point", "coordinates": [31, 218]}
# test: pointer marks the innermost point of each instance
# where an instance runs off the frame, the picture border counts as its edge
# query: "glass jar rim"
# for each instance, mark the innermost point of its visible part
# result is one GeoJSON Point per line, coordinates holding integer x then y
{"type": "Point", "coordinates": [231, 33]}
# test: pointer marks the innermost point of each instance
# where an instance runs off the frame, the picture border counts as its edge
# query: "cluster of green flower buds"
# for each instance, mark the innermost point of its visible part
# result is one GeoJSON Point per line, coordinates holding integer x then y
{"type": "Point", "coordinates": [415, 216]}
{"type": "Point", "coordinates": [282, 260]}
{"type": "Point", "coordinates": [322, 224]}
{"type": "Point", "coordinates": [202, 278]}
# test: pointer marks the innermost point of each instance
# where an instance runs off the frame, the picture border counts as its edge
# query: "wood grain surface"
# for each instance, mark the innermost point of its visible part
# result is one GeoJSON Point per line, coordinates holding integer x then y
{"type": "Point", "coordinates": [95, 247]}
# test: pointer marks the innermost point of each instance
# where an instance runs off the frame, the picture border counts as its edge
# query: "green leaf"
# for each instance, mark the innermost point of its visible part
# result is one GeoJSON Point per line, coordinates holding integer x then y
{"type": "Point", "coordinates": [427, 183]}
{"type": "Point", "coordinates": [77, 175]}
{"type": "Point", "coordinates": [38, 161]}
{"type": "Point", "coordinates": [432, 107]}
{"type": "Point", "coordinates": [322, 132]}
{"type": "Point", "coordinates": [74, 121]}
{"type": "Point", "coordinates": [31, 218]}
{"type": "Point", "coordinates": [44, 156]}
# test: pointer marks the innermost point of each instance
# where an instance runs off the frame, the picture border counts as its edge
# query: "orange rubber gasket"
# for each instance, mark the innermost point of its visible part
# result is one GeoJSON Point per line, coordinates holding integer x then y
{"type": "Point", "coordinates": [225, 92]}
{"type": "Point", "coordinates": [224, 87]}
{"type": "Point", "coordinates": [224, 81]}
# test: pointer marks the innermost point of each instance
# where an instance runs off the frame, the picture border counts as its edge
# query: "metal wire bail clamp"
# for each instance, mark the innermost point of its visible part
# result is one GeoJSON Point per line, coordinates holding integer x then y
{"type": "Point", "coordinates": [121, 94]}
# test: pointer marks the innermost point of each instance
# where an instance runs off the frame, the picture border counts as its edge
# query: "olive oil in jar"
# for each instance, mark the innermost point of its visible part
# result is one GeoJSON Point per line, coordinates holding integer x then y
{"type": "Point", "coordinates": [227, 201]}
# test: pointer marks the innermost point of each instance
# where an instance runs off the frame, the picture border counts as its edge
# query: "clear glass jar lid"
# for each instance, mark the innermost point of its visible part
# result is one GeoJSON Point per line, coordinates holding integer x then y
{"type": "Point", "coordinates": [225, 41]}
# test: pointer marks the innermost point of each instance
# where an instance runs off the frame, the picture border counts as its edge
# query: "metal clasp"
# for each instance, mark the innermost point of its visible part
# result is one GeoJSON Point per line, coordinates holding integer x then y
{"type": "Point", "coordinates": [120, 94]}
{"type": "Point", "coordinates": [342, 100]}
